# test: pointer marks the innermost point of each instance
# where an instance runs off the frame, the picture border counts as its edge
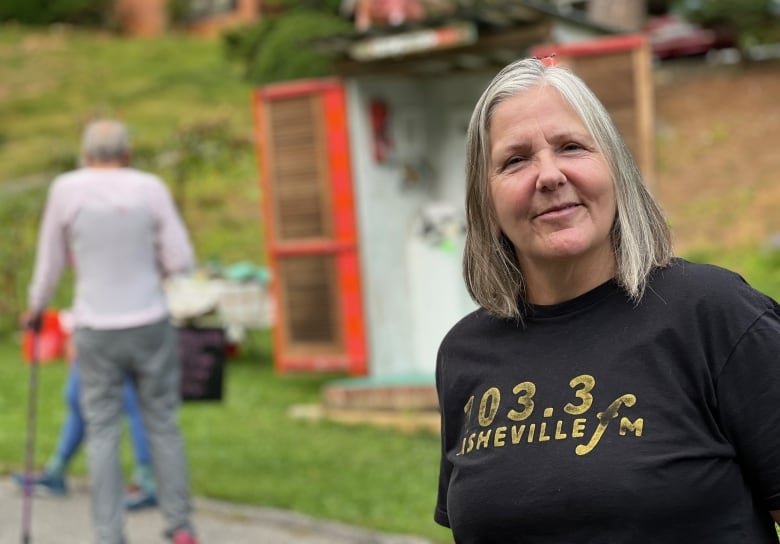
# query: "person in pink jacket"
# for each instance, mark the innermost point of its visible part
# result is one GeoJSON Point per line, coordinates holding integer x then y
{"type": "Point", "coordinates": [119, 229]}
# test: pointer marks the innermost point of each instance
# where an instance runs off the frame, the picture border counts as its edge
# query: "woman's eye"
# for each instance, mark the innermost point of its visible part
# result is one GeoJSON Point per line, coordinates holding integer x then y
{"type": "Point", "coordinates": [513, 161]}
{"type": "Point", "coordinates": [572, 146]}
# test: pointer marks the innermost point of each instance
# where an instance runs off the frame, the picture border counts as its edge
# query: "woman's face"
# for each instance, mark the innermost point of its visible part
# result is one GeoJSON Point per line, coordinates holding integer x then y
{"type": "Point", "coordinates": [550, 185]}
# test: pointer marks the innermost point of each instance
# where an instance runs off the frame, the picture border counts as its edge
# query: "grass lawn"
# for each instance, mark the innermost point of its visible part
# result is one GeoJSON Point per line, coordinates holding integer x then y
{"type": "Point", "coordinates": [246, 448]}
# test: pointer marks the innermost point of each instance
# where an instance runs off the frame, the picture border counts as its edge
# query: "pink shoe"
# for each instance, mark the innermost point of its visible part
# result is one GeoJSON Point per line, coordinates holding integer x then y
{"type": "Point", "coordinates": [183, 536]}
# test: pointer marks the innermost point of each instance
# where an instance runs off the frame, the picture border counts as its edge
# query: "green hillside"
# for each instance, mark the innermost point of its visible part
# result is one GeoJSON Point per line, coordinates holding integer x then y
{"type": "Point", "coordinates": [189, 112]}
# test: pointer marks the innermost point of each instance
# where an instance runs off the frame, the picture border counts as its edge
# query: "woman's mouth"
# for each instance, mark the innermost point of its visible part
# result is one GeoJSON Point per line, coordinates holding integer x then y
{"type": "Point", "coordinates": [557, 211]}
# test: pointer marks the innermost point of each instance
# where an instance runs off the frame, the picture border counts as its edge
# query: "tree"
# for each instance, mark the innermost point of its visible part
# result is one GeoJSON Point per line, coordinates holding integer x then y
{"type": "Point", "coordinates": [280, 48]}
{"type": "Point", "coordinates": [753, 21]}
{"type": "Point", "coordinates": [42, 12]}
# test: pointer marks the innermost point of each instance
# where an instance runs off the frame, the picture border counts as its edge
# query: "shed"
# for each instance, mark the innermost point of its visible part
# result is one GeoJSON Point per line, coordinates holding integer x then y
{"type": "Point", "coordinates": [363, 179]}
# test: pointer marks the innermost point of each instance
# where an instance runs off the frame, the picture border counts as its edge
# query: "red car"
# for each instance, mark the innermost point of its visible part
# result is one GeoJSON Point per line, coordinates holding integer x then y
{"type": "Point", "coordinates": [671, 36]}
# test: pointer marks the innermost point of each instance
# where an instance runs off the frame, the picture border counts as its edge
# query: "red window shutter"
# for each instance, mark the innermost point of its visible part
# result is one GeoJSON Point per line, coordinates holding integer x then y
{"type": "Point", "coordinates": [310, 229]}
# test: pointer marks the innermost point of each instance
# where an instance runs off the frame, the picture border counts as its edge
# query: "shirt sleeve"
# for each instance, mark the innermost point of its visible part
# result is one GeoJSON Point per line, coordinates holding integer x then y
{"type": "Point", "coordinates": [174, 250]}
{"type": "Point", "coordinates": [748, 392]}
{"type": "Point", "coordinates": [440, 515]}
{"type": "Point", "coordinates": [51, 252]}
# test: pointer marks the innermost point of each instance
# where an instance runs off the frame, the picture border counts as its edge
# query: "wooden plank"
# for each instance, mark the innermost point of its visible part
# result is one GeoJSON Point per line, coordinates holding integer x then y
{"type": "Point", "coordinates": [323, 168]}
{"type": "Point", "coordinates": [301, 199]}
{"type": "Point", "coordinates": [625, 121]}
{"type": "Point", "coordinates": [610, 77]}
{"type": "Point", "coordinates": [311, 306]}
{"type": "Point", "coordinates": [642, 60]}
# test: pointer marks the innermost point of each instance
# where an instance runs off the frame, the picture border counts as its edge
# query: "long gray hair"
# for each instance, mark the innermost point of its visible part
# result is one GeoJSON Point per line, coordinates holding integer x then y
{"type": "Point", "coordinates": [105, 141]}
{"type": "Point", "coordinates": [641, 239]}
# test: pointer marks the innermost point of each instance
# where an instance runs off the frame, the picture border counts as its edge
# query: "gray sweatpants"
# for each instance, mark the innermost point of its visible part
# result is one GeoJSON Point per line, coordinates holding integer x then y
{"type": "Point", "coordinates": [150, 355]}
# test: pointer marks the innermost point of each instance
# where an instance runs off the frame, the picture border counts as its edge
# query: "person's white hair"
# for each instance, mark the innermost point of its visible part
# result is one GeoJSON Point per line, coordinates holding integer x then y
{"type": "Point", "coordinates": [641, 239]}
{"type": "Point", "coordinates": [105, 141]}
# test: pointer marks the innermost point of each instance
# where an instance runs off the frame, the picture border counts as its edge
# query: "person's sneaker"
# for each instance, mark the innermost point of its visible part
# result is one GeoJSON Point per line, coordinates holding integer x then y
{"type": "Point", "coordinates": [138, 500]}
{"type": "Point", "coordinates": [44, 483]}
{"type": "Point", "coordinates": [183, 536]}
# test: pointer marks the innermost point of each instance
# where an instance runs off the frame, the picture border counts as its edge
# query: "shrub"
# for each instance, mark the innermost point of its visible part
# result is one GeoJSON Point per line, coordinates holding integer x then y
{"type": "Point", "coordinates": [43, 12]}
{"type": "Point", "coordinates": [281, 49]}
{"type": "Point", "coordinates": [754, 21]}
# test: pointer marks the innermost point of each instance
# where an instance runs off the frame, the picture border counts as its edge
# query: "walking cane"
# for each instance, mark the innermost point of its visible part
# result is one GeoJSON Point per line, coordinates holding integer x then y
{"type": "Point", "coordinates": [34, 326]}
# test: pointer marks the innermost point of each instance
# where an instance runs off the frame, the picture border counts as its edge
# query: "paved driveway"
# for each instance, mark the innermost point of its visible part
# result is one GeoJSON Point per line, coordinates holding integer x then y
{"type": "Point", "coordinates": [66, 521]}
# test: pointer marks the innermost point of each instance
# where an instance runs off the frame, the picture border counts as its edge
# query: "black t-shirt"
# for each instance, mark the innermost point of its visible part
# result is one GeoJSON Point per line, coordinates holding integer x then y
{"type": "Point", "coordinates": [603, 421]}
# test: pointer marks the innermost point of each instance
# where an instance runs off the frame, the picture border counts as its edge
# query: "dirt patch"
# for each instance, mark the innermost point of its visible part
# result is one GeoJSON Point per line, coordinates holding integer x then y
{"type": "Point", "coordinates": [718, 162]}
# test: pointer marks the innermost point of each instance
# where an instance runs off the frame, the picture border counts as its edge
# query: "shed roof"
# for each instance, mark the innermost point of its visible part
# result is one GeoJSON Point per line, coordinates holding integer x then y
{"type": "Point", "coordinates": [482, 34]}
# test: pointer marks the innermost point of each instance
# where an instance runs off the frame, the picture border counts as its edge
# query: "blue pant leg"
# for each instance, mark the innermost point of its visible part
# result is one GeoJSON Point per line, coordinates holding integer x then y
{"type": "Point", "coordinates": [72, 430]}
{"type": "Point", "coordinates": [136, 424]}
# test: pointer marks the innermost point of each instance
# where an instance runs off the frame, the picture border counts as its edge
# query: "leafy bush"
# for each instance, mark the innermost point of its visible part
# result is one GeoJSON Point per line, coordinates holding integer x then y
{"type": "Point", "coordinates": [43, 12]}
{"type": "Point", "coordinates": [325, 6]}
{"type": "Point", "coordinates": [19, 214]}
{"type": "Point", "coordinates": [280, 48]}
{"type": "Point", "coordinates": [191, 149]}
{"type": "Point", "coordinates": [754, 21]}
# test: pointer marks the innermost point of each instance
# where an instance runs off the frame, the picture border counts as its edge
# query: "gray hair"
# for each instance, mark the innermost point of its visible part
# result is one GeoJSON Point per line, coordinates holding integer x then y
{"type": "Point", "coordinates": [105, 141]}
{"type": "Point", "coordinates": [641, 239]}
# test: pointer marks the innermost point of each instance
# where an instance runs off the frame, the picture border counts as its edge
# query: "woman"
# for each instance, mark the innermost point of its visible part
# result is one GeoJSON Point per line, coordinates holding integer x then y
{"type": "Point", "coordinates": [605, 391]}
{"type": "Point", "coordinates": [52, 479]}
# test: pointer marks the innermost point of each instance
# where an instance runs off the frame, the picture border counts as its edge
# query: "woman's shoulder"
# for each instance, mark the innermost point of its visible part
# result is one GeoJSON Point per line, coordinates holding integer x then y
{"type": "Point", "coordinates": [704, 284]}
{"type": "Point", "coordinates": [479, 324]}
{"type": "Point", "coordinates": [683, 272]}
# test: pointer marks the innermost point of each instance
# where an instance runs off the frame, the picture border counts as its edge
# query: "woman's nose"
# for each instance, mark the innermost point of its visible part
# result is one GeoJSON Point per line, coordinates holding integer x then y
{"type": "Point", "coordinates": [550, 175]}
